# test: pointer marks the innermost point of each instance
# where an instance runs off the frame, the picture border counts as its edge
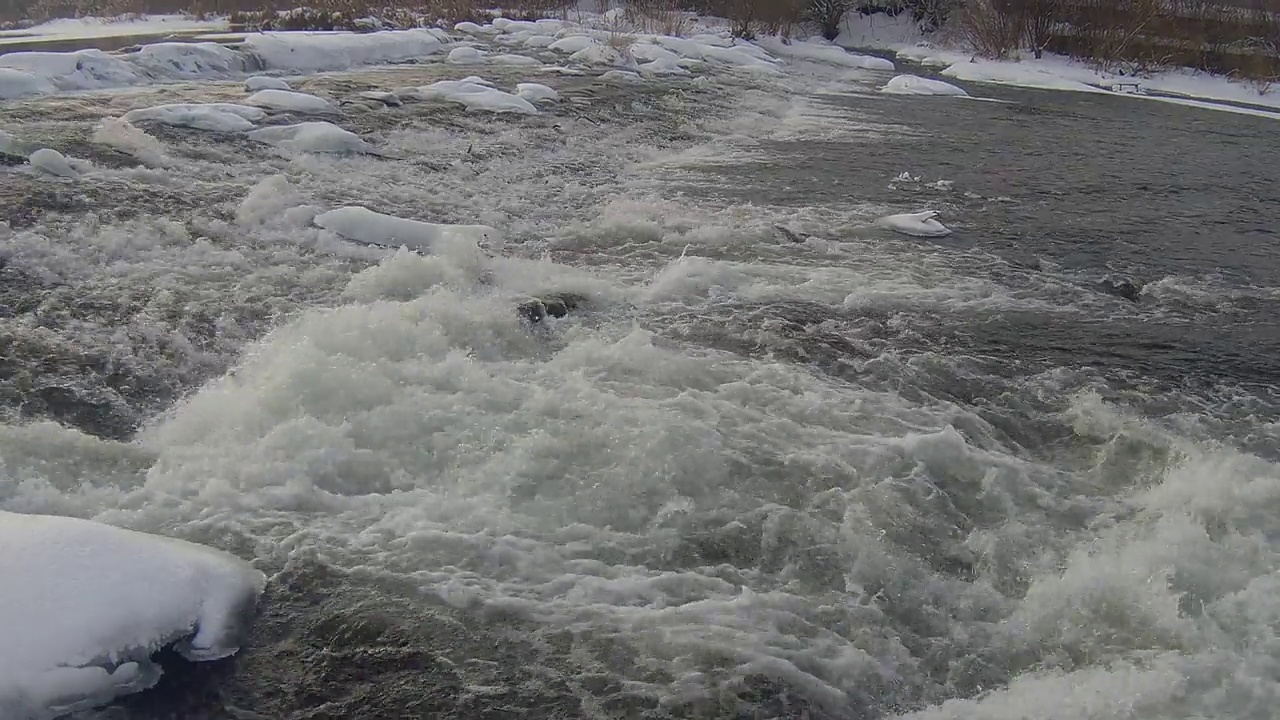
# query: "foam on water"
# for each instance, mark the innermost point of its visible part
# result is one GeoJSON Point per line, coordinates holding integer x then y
{"type": "Point", "coordinates": [902, 535]}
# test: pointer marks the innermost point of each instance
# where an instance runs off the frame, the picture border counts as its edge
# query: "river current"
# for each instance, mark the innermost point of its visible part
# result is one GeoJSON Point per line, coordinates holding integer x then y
{"type": "Point", "coordinates": [777, 463]}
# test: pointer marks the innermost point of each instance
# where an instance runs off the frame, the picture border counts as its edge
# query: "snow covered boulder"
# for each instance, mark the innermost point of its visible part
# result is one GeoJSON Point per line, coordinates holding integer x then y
{"type": "Point", "coordinates": [465, 55]}
{"type": "Point", "coordinates": [536, 92]}
{"type": "Point", "coordinates": [572, 44]}
{"type": "Point", "coordinates": [476, 94]}
{"type": "Point", "coordinates": [189, 60]}
{"type": "Point", "coordinates": [313, 137]}
{"type": "Point", "coordinates": [364, 225]}
{"type": "Point", "coordinates": [921, 224]}
{"type": "Point", "coordinates": [16, 84]}
{"type": "Point", "coordinates": [913, 85]}
{"type": "Point", "coordinates": [262, 82]}
{"type": "Point", "coordinates": [84, 606]}
{"type": "Point", "coordinates": [52, 162]}
{"type": "Point", "coordinates": [289, 101]}
{"type": "Point", "coordinates": [217, 117]}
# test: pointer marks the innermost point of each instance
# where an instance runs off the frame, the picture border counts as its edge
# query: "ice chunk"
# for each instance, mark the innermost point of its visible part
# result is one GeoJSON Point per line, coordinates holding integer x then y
{"type": "Point", "coordinates": [16, 84]}
{"type": "Point", "coordinates": [84, 605]}
{"type": "Point", "coordinates": [913, 85]}
{"type": "Point", "coordinates": [262, 82]}
{"type": "Point", "coordinates": [218, 117]}
{"type": "Point", "coordinates": [921, 224]}
{"type": "Point", "coordinates": [315, 52]}
{"type": "Point", "coordinates": [536, 92]}
{"type": "Point", "coordinates": [538, 41]}
{"type": "Point", "coordinates": [364, 225]}
{"type": "Point", "coordinates": [465, 55]}
{"type": "Point", "coordinates": [189, 60]}
{"type": "Point", "coordinates": [314, 137]}
{"type": "Point", "coordinates": [289, 101]}
{"type": "Point", "coordinates": [52, 162]}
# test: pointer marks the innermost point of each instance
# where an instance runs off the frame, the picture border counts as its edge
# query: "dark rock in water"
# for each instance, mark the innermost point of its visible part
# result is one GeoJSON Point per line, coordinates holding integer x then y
{"type": "Point", "coordinates": [1121, 287]}
{"type": "Point", "coordinates": [555, 305]}
{"type": "Point", "coordinates": [6, 159]}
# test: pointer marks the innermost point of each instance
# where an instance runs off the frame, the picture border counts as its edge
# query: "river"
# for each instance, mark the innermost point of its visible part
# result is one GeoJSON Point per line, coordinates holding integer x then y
{"type": "Point", "coordinates": [781, 463]}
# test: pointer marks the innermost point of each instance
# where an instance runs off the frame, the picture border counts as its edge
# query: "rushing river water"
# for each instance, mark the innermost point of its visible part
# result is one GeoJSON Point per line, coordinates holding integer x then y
{"type": "Point", "coordinates": [780, 464]}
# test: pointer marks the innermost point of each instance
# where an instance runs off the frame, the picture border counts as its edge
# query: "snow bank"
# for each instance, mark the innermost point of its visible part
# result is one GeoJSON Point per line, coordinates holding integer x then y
{"type": "Point", "coordinates": [289, 101]}
{"type": "Point", "coordinates": [218, 117]}
{"type": "Point", "coordinates": [1020, 74]}
{"type": "Point", "coordinates": [364, 225]}
{"type": "Point", "coordinates": [313, 137]}
{"type": "Point", "coordinates": [824, 53]}
{"type": "Point", "coordinates": [113, 27]}
{"type": "Point", "coordinates": [315, 52]}
{"type": "Point", "coordinates": [262, 82]}
{"type": "Point", "coordinates": [913, 85]}
{"type": "Point", "coordinates": [84, 605]}
{"type": "Point", "coordinates": [189, 60]}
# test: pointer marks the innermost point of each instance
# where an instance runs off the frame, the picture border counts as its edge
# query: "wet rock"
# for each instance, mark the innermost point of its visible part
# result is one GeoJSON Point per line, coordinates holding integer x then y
{"type": "Point", "coordinates": [556, 305]}
{"type": "Point", "coordinates": [1121, 287]}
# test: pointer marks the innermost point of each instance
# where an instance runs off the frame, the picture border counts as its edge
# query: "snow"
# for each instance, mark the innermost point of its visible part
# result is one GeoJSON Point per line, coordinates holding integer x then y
{"type": "Point", "coordinates": [289, 101]}
{"type": "Point", "coordinates": [312, 137]}
{"type": "Point", "coordinates": [914, 85]}
{"type": "Point", "coordinates": [85, 604]}
{"type": "Point", "coordinates": [1051, 72]}
{"type": "Point", "coordinates": [316, 52]}
{"type": "Point", "coordinates": [573, 44]}
{"type": "Point", "coordinates": [387, 98]}
{"type": "Point", "coordinates": [189, 60]}
{"type": "Point", "coordinates": [119, 134]}
{"type": "Point", "coordinates": [88, 28]}
{"type": "Point", "coordinates": [536, 92]}
{"type": "Point", "coordinates": [603, 55]}
{"type": "Point", "coordinates": [16, 84]}
{"type": "Point", "coordinates": [921, 224]}
{"type": "Point", "coordinates": [262, 82]}
{"type": "Point", "coordinates": [510, 59]}
{"type": "Point", "coordinates": [476, 94]}
{"type": "Point", "coordinates": [52, 162]}
{"type": "Point", "coordinates": [622, 77]}
{"type": "Point", "coordinates": [465, 55]}
{"type": "Point", "coordinates": [663, 66]}
{"type": "Point", "coordinates": [471, 28]}
{"type": "Point", "coordinates": [538, 41]}
{"type": "Point", "coordinates": [746, 56]}
{"type": "Point", "coordinates": [364, 225]}
{"type": "Point", "coordinates": [217, 117]}
{"type": "Point", "coordinates": [80, 70]}
{"type": "Point", "coordinates": [824, 52]}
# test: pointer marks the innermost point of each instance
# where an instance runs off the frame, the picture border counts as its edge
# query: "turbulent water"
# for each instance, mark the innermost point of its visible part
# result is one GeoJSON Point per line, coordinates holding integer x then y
{"type": "Point", "coordinates": [780, 464]}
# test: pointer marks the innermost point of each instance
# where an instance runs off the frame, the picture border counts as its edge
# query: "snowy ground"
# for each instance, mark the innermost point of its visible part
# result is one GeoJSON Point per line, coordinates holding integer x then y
{"type": "Point", "coordinates": [903, 38]}
{"type": "Point", "coordinates": [91, 28]}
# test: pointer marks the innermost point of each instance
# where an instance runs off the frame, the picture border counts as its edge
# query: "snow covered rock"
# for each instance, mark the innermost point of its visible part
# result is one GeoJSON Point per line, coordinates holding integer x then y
{"type": "Point", "coordinates": [289, 101]}
{"type": "Point", "coordinates": [313, 137]}
{"type": "Point", "coordinates": [188, 60]}
{"type": "Point", "coordinates": [913, 85]}
{"type": "Point", "coordinates": [921, 224]}
{"type": "Point", "coordinates": [305, 52]}
{"type": "Point", "coordinates": [80, 70]}
{"type": "Point", "coordinates": [465, 55]}
{"type": "Point", "coordinates": [536, 92]}
{"type": "Point", "coordinates": [52, 162]}
{"type": "Point", "coordinates": [476, 94]}
{"type": "Point", "coordinates": [218, 117]}
{"type": "Point", "coordinates": [16, 84]}
{"type": "Point", "coordinates": [512, 59]}
{"type": "Point", "coordinates": [572, 44]}
{"type": "Point", "coordinates": [84, 605]}
{"type": "Point", "coordinates": [621, 77]}
{"type": "Point", "coordinates": [824, 52]}
{"type": "Point", "coordinates": [663, 66]}
{"type": "Point", "coordinates": [262, 82]}
{"type": "Point", "coordinates": [471, 28]}
{"type": "Point", "coordinates": [386, 98]}
{"type": "Point", "coordinates": [538, 41]}
{"type": "Point", "coordinates": [364, 225]}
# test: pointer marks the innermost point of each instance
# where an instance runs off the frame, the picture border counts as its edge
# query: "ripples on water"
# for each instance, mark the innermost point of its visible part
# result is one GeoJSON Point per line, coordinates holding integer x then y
{"type": "Point", "coordinates": [855, 476]}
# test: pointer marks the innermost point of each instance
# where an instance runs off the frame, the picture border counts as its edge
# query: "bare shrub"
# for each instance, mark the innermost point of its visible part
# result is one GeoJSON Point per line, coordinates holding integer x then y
{"type": "Point", "coordinates": [828, 15]}
{"type": "Point", "coordinates": [660, 17]}
{"type": "Point", "coordinates": [988, 29]}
